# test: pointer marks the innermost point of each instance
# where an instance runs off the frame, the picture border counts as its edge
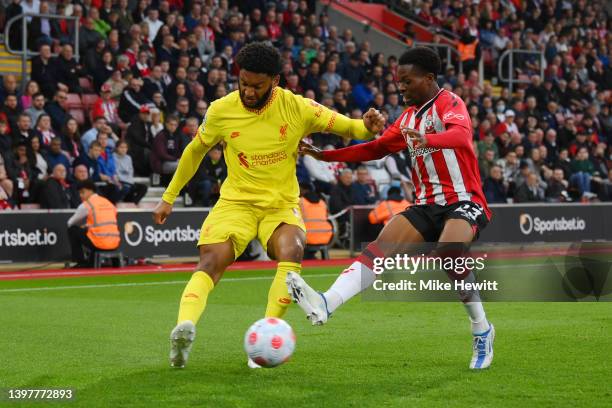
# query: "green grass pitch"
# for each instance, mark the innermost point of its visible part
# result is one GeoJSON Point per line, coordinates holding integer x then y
{"type": "Point", "coordinates": [107, 338]}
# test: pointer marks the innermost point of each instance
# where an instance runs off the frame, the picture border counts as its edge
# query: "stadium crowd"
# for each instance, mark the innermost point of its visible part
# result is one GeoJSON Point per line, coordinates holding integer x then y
{"type": "Point", "coordinates": [156, 67]}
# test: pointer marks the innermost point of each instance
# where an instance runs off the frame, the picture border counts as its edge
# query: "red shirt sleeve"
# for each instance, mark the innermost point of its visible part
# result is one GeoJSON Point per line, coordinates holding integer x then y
{"type": "Point", "coordinates": [391, 141]}
{"type": "Point", "coordinates": [456, 120]}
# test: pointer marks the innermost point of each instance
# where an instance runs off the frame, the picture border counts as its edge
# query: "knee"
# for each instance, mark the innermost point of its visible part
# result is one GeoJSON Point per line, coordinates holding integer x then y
{"type": "Point", "coordinates": [210, 264]}
{"type": "Point", "coordinates": [291, 253]}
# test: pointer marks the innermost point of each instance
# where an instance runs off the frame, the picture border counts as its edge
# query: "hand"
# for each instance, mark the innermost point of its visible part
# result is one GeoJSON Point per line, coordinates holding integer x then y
{"type": "Point", "coordinates": [416, 138]}
{"type": "Point", "coordinates": [161, 212]}
{"type": "Point", "coordinates": [374, 121]}
{"type": "Point", "coordinates": [308, 149]}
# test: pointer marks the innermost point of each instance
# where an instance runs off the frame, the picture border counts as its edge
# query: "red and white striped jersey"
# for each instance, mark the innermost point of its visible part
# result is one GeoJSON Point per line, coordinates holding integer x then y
{"type": "Point", "coordinates": [444, 172]}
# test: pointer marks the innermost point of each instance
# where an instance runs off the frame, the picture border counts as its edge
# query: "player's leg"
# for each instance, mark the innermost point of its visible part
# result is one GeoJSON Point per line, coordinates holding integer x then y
{"type": "Point", "coordinates": [398, 236]}
{"type": "Point", "coordinates": [225, 233]}
{"type": "Point", "coordinates": [214, 259]}
{"type": "Point", "coordinates": [286, 245]}
{"type": "Point", "coordinates": [454, 241]}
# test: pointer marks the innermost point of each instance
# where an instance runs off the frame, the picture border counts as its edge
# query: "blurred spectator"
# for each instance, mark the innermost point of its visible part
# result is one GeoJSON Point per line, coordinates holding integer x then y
{"type": "Point", "coordinates": [99, 125]}
{"type": "Point", "coordinates": [530, 191]}
{"type": "Point", "coordinates": [341, 195]}
{"type": "Point", "coordinates": [494, 186]}
{"type": "Point", "coordinates": [9, 86]}
{"type": "Point", "coordinates": [582, 173]}
{"type": "Point", "coordinates": [11, 110]}
{"type": "Point", "coordinates": [71, 139]}
{"type": "Point", "coordinates": [23, 167]}
{"type": "Point", "coordinates": [58, 109]}
{"type": "Point", "coordinates": [79, 174]}
{"type": "Point", "coordinates": [6, 139]}
{"type": "Point", "coordinates": [132, 99]}
{"type": "Point", "coordinates": [167, 148]}
{"type": "Point", "coordinates": [206, 184]}
{"type": "Point", "coordinates": [23, 131]}
{"type": "Point", "coordinates": [606, 188]}
{"type": "Point", "coordinates": [486, 162]}
{"type": "Point", "coordinates": [131, 192]}
{"type": "Point", "coordinates": [44, 131]}
{"type": "Point", "coordinates": [6, 185]}
{"type": "Point", "coordinates": [556, 191]}
{"type": "Point", "coordinates": [322, 173]}
{"type": "Point", "coordinates": [37, 107]}
{"type": "Point", "coordinates": [55, 192]}
{"type": "Point", "coordinates": [42, 166]}
{"type": "Point", "coordinates": [140, 139]}
{"type": "Point", "coordinates": [67, 70]}
{"type": "Point", "coordinates": [31, 89]}
{"type": "Point", "coordinates": [106, 107]}
{"type": "Point", "coordinates": [364, 190]}
{"type": "Point", "coordinates": [55, 155]}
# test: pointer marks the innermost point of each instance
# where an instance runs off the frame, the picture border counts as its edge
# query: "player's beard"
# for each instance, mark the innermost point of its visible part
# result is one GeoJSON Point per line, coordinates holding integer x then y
{"type": "Point", "coordinates": [261, 102]}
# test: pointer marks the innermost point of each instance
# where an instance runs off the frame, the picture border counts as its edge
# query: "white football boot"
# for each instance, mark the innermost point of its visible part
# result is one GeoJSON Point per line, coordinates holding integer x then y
{"type": "Point", "coordinates": [252, 364]}
{"type": "Point", "coordinates": [181, 340]}
{"type": "Point", "coordinates": [483, 349]}
{"type": "Point", "coordinates": [309, 300]}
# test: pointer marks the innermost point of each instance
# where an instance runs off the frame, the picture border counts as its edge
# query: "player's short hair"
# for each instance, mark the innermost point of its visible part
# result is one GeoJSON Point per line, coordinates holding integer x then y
{"type": "Point", "coordinates": [259, 58]}
{"type": "Point", "coordinates": [86, 185]}
{"type": "Point", "coordinates": [425, 58]}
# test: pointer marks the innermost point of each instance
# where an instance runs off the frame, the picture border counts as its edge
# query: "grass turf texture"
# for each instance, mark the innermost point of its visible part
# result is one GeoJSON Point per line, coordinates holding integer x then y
{"type": "Point", "coordinates": [110, 344]}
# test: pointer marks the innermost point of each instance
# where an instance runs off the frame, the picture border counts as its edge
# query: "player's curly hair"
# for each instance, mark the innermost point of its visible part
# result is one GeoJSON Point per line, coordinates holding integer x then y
{"type": "Point", "coordinates": [425, 58]}
{"type": "Point", "coordinates": [259, 58]}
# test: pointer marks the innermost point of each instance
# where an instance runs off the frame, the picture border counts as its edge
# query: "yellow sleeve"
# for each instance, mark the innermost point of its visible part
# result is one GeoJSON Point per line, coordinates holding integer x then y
{"type": "Point", "coordinates": [318, 118]}
{"type": "Point", "coordinates": [206, 137]}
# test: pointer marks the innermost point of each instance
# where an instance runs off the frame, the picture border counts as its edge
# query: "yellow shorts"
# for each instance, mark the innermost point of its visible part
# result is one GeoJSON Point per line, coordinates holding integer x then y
{"type": "Point", "coordinates": [243, 222]}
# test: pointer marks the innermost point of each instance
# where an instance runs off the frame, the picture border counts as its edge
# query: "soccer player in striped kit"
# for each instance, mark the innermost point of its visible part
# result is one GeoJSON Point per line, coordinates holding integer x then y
{"type": "Point", "coordinates": [450, 206]}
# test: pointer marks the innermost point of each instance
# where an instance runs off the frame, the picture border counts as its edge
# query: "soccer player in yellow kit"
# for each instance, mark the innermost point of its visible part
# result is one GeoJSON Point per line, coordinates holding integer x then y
{"type": "Point", "coordinates": [261, 126]}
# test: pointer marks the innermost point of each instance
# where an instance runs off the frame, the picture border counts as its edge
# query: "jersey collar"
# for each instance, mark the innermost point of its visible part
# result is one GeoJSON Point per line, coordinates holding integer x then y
{"type": "Point", "coordinates": [427, 105]}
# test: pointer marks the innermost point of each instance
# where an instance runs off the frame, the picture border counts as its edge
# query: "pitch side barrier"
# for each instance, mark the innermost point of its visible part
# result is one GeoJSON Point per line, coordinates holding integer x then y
{"type": "Point", "coordinates": [517, 224]}
{"type": "Point", "coordinates": [41, 235]}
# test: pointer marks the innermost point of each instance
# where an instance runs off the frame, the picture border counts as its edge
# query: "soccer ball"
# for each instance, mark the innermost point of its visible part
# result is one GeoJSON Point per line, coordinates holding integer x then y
{"type": "Point", "coordinates": [269, 342]}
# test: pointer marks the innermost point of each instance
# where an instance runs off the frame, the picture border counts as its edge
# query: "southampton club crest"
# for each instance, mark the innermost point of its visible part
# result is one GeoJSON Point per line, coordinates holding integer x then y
{"type": "Point", "coordinates": [429, 126]}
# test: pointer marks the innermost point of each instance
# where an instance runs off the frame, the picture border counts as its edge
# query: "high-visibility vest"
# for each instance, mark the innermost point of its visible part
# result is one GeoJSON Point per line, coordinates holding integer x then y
{"type": "Point", "coordinates": [319, 230]}
{"type": "Point", "coordinates": [102, 228]}
{"type": "Point", "coordinates": [467, 51]}
{"type": "Point", "coordinates": [386, 209]}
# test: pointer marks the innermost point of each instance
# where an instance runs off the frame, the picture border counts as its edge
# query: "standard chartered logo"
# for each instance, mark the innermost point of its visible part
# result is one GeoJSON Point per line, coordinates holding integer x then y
{"type": "Point", "coordinates": [134, 234]}
{"type": "Point", "coordinates": [529, 224]}
{"type": "Point", "coordinates": [20, 238]}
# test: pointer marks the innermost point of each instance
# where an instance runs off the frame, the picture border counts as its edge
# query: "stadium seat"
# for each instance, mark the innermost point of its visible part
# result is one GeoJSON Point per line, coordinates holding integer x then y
{"type": "Point", "coordinates": [101, 256]}
{"type": "Point", "coordinates": [86, 84]}
{"type": "Point", "coordinates": [89, 100]}
{"type": "Point", "coordinates": [78, 115]}
{"type": "Point", "coordinates": [74, 101]}
{"type": "Point", "coordinates": [126, 205]}
{"type": "Point", "coordinates": [30, 206]}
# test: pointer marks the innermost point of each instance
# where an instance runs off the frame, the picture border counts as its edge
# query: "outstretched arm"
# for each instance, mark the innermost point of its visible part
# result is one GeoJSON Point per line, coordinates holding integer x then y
{"type": "Point", "coordinates": [188, 165]}
{"type": "Point", "coordinates": [319, 118]}
{"type": "Point", "coordinates": [390, 142]}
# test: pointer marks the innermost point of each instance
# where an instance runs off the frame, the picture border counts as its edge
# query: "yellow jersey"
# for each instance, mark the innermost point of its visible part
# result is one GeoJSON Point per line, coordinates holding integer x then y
{"type": "Point", "coordinates": [261, 146]}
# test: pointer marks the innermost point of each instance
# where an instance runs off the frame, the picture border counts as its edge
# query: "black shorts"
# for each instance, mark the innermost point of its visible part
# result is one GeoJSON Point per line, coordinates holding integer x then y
{"type": "Point", "coordinates": [430, 219]}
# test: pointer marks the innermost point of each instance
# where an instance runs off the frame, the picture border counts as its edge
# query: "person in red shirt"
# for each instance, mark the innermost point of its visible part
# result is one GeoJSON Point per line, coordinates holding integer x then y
{"type": "Point", "coordinates": [450, 207]}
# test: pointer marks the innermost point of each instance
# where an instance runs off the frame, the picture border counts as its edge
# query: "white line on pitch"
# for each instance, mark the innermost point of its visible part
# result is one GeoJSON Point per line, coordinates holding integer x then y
{"type": "Point", "coordinates": [115, 285]}
{"type": "Point", "coordinates": [252, 278]}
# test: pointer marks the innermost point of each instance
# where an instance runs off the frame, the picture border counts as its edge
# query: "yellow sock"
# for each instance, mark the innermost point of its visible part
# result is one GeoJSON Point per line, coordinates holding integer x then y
{"type": "Point", "coordinates": [194, 297]}
{"type": "Point", "coordinates": [278, 297]}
